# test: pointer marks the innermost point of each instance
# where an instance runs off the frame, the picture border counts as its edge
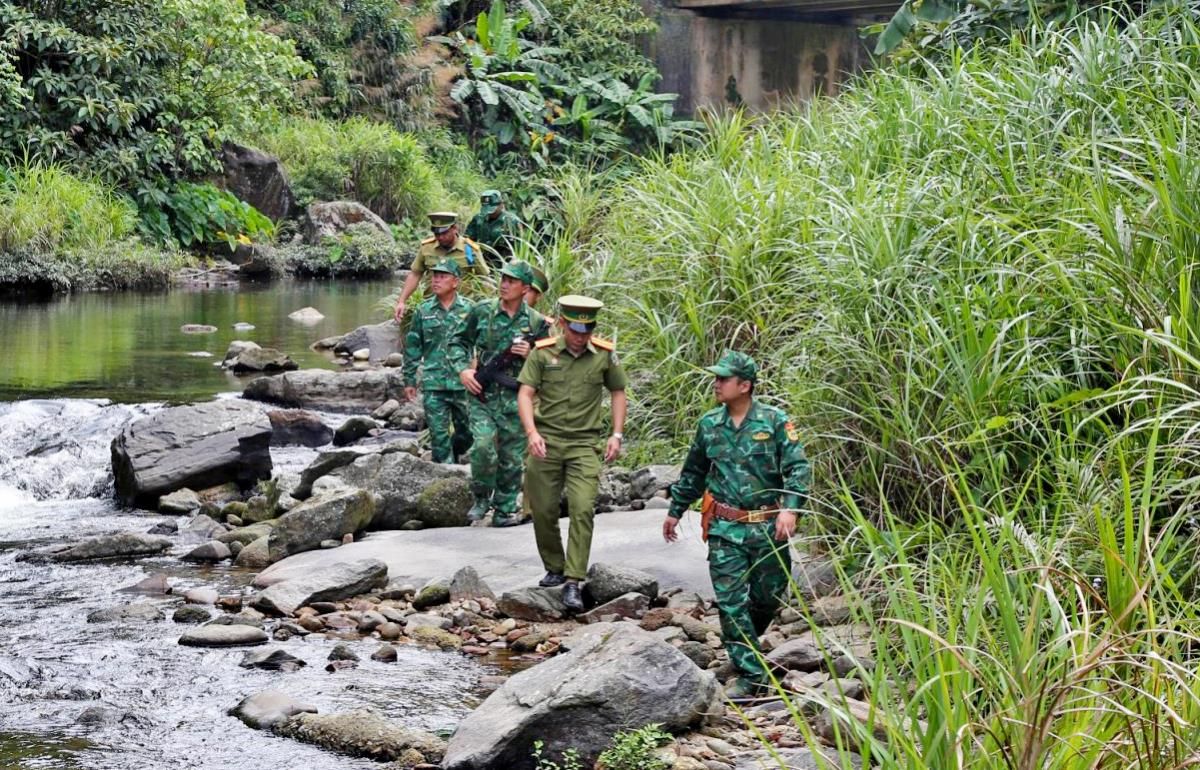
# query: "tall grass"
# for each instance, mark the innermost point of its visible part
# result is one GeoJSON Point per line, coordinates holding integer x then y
{"type": "Point", "coordinates": [46, 209]}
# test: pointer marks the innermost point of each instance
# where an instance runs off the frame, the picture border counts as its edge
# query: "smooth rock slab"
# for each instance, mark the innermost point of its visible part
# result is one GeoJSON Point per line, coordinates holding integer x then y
{"type": "Point", "coordinates": [356, 391]}
{"type": "Point", "coordinates": [272, 660]}
{"type": "Point", "coordinates": [266, 709]}
{"type": "Point", "coordinates": [466, 584]}
{"type": "Point", "coordinates": [139, 611]}
{"type": "Point", "coordinates": [326, 517]}
{"type": "Point", "coordinates": [630, 605]}
{"type": "Point", "coordinates": [123, 545]}
{"type": "Point", "coordinates": [223, 636]}
{"type": "Point", "coordinates": [533, 603]}
{"type": "Point", "coordinates": [339, 581]}
{"type": "Point", "coordinates": [364, 734]}
{"type": "Point", "coordinates": [606, 582]}
{"type": "Point", "coordinates": [581, 699]}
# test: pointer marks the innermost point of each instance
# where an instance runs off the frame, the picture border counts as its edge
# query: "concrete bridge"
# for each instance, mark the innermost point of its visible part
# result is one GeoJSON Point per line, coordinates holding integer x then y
{"type": "Point", "coordinates": [761, 54]}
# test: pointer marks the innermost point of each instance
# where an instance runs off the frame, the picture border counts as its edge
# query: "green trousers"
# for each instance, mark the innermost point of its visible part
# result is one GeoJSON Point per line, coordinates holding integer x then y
{"type": "Point", "coordinates": [497, 450]}
{"type": "Point", "coordinates": [574, 469]}
{"type": "Point", "coordinates": [446, 414]}
{"type": "Point", "coordinates": [750, 573]}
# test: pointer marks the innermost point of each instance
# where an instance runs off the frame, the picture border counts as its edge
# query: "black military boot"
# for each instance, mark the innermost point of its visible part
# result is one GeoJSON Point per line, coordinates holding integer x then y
{"type": "Point", "coordinates": [552, 579]}
{"type": "Point", "coordinates": [572, 599]}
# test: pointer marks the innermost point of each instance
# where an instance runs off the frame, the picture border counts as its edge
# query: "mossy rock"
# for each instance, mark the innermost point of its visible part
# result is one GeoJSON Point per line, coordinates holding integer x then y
{"type": "Point", "coordinates": [445, 503]}
{"type": "Point", "coordinates": [437, 637]}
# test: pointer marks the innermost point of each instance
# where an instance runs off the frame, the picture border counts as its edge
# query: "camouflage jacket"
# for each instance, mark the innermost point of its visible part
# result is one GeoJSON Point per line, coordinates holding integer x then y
{"type": "Point", "coordinates": [761, 463]}
{"type": "Point", "coordinates": [486, 331]}
{"type": "Point", "coordinates": [499, 234]}
{"type": "Point", "coordinates": [427, 344]}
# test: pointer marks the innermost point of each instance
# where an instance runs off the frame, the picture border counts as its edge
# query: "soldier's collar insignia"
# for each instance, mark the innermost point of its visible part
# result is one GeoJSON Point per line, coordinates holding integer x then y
{"type": "Point", "coordinates": [762, 435]}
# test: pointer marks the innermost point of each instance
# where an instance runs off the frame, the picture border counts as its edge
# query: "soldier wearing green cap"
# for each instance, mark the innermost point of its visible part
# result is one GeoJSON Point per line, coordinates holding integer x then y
{"type": "Point", "coordinates": [533, 294]}
{"type": "Point", "coordinates": [445, 243]}
{"type": "Point", "coordinates": [427, 345]}
{"type": "Point", "coordinates": [495, 227]}
{"type": "Point", "coordinates": [748, 464]}
{"type": "Point", "coordinates": [497, 332]}
{"type": "Point", "coordinates": [566, 433]}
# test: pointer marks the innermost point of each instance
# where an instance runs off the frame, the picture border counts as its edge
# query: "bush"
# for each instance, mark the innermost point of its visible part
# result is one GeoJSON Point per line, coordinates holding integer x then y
{"type": "Point", "coordinates": [362, 251]}
{"type": "Point", "coordinates": [372, 163]}
{"type": "Point", "coordinates": [116, 265]}
{"type": "Point", "coordinates": [45, 209]}
{"type": "Point", "coordinates": [200, 215]}
{"type": "Point", "coordinates": [634, 750]}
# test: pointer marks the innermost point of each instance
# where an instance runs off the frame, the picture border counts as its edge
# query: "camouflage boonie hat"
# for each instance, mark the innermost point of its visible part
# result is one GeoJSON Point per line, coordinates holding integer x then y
{"type": "Point", "coordinates": [448, 266]}
{"type": "Point", "coordinates": [520, 270]}
{"type": "Point", "coordinates": [540, 281]}
{"type": "Point", "coordinates": [735, 364]}
{"type": "Point", "coordinates": [489, 200]}
{"type": "Point", "coordinates": [441, 221]}
{"type": "Point", "coordinates": [579, 312]}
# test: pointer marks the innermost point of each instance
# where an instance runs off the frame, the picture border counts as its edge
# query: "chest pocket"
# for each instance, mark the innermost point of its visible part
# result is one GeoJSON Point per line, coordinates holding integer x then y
{"type": "Point", "coordinates": [553, 375]}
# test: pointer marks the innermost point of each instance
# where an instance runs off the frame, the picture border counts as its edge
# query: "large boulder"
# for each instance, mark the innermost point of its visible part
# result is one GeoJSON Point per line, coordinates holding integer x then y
{"type": "Point", "coordinates": [122, 545]}
{"type": "Point", "coordinates": [350, 391]}
{"type": "Point", "coordinates": [401, 479]}
{"type": "Point", "coordinates": [645, 482]}
{"type": "Point", "coordinates": [329, 219]}
{"type": "Point", "coordinates": [326, 517]}
{"type": "Point", "coordinates": [581, 698]}
{"type": "Point", "coordinates": [381, 339]}
{"type": "Point", "coordinates": [195, 446]}
{"type": "Point", "coordinates": [298, 427]}
{"type": "Point", "coordinates": [268, 360]}
{"type": "Point", "coordinates": [606, 582]}
{"type": "Point", "coordinates": [258, 179]}
{"type": "Point", "coordinates": [339, 581]}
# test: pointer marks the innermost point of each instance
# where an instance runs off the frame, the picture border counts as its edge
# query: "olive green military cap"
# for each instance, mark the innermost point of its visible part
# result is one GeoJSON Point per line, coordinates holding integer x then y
{"type": "Point", "coordinates": [579, 312]}
{"type": "Point", "coordinates": [441, 221]}
{"type": "Point", "coordinates": [448, 266]}
{"type": "Point", "coordinates": [540, 281]}
{"type": "Point", "coordinates": [520, 270]}
{"type": "Point", "coordinates": [489, 200]}
{"type": "Point", "coordinates": [735, 364]}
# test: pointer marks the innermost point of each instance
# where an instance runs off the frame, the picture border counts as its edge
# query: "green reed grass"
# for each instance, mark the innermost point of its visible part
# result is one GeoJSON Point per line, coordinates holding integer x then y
{"type": "Point", "coordinates": [46, 209]}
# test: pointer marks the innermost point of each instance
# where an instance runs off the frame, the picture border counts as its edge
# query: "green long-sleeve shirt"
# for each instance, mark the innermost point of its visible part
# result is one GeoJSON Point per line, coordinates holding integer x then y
{"type": "Point", "coordinates": [486, 331]}
{"type": "Point", "coordinates": [760, 463]}
{"type": "Point", "coordinates": [427, 344]}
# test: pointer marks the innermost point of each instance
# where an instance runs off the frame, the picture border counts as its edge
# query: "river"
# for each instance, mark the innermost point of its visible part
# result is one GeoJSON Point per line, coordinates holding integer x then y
{"type": "Point", "coordinates": [76, 370]}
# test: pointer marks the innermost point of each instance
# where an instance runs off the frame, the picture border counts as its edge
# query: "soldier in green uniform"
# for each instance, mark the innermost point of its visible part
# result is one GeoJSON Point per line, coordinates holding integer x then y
{"type": "Point", "coordinates": [446, 242]}
{"type": "Point", "coordinates": [495, 227]}
{"type": "Point", "coordinates": [566, 432]}
{"type": "Point", "coordinates": [541, 283]}
{"type": "Point", "coordinates": [494, 328]}
{"type": "Point", "coordinates": [747, 461]}
{"type": "Point", "coordinates": [427, 345]}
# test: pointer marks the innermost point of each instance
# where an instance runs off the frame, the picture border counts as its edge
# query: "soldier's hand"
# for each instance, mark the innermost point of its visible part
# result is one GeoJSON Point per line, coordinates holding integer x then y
{"type": "Point", "coordinates": [669, 525]}
{"type": "Point", "coordinates": [785, 525]}
{"type": "Point", "coordinates": [612, 449]}
{"type": "Point", "coordinates": [467, 377]}
{"type": "Point", "coordinates": [520, 349]}
{"type": "Point", "coordinates": [398, 314]}
{"type": "Point", "coordinates": [537, 445]}
{"type": "Point", "coordinates": [410, 393]}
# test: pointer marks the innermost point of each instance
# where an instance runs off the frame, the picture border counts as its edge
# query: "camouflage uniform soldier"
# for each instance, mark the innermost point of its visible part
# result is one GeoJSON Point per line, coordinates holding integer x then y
{"type": "Point", "coordinates": [426, 344]}
{"type": "Point", "coordinates": [491, 329]}
{"type": "Point", "coordinates": [569, 375]}
{"type": "Point", "coordinates": [446, 242]}
{"type": "Point", "coordinates": [495, 227]}
{"type": "Point", "coordinates": [541, 283]}
{"type": "Point", "coordinates": [747, 456]}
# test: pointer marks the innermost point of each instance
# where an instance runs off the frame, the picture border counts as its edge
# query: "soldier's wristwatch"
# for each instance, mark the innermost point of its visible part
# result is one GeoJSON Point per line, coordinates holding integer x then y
{"type": "Point", "coordinates": [619, 436]}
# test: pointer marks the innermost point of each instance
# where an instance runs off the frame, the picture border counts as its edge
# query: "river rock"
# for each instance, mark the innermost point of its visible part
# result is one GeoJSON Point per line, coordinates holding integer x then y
{"type": "Point", "coordinates": [236, 348]}
{"type": "Point", "coordinates": [324, 517]}
{"type": "Point", "coordinates": [365, 734]}
{"type": "Point", "coordinates": [645, 482]}
{"type": "Point", "coordinates": [245, 535]}
{"type": "Point", "coordinates": [272, 660]}
{"type": "Point", "coordinates": [466, 584]}
{"type": "Point", "coordinates": [436, 637]}
{"type": "Point", "coordinates": [299, 428]}
{"type": "Point", "coordinates": [190, 614]}
{"type": "Point", "coordinates": [329, 219]}
{"type": "Point", "coordinates": [348, 391]}
{"type": "Point", "coordinates": [267, 360]}
{"type": "Point", "coordinates": [380, 340]}
{"type": "Point", "coordinates": [255, 555]}
{"type": "Point", "coordinates": [123, 545]}
{"type": "Point", "coordinates": [796, 655]}
{"type": "Point", "coordinates": [258, 179]}
{"type": "Point", "coordinates": [533, 603]}
{"type": "Point", "coordinates": [432, 594]}
{"type": "Point", "coordinates": [138, 611]}
{"type": "Point", "coordinates": [340, 581]}
{"type": "Point", "coordinates": [154, 585]}
{"type": "Point", "coordinates": [400, 479]}
{"type": "Point", "coordinates": [208, 553]}
{"type": "Point", "coordinates": [445, 503]}
{"type": "Point", "coordinates": [201, 528]}
{"type": "Point", "coordinates": [409, 416]}
{"type": "Point", "coordinates": [413, 622]}
{"type": "Point", "coordinates": [178, 502]}
{"type": "Point", "coordinates": [353, 429]}
{"type": "Point", "coordinates": [201, 596]}
{"type": "Point", "coordinates": [265, 710]}
{"type": "Point", "coordinates": [606, 582]}
{"type": "Point", "coordinates": [220, 635]}
{"type": "Point", "coordinates": [814, 576]}
{"type": "Point", "coordinates": [794, 759]}
{"type": "Point", "coordinates": [385, 654]}
{"type": "Point", "coordinates": [630, 605]}
{"type": "Point", "coordinates": [614, 489]}
{"type": "Point", "coordinates": [581, 699]}
{"type": "Point", "coordinates": [191, 446]}
{"type": "Point", "coordinates": [306, 315]}
{"type": "Point", "coordinates": [164, 528]}
{"type": "Point", "coordinates": [197, 329]}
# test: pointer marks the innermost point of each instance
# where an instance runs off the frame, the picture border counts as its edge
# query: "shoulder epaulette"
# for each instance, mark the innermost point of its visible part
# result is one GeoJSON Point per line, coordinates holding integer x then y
{"type": "Point", "coordinates": [430, 239]}
{"type": "Point", "coordinates": [604, 344]}
{"type": "Point", "coordinates": [547, 342]}
{"type": "Point", "coordinates": [471, 243]}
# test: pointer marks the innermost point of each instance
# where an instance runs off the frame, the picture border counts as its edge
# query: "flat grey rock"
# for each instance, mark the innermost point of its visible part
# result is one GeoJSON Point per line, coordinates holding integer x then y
{"type": "Point", "coordinates": [265, 710]}
{"type": "Point", "coordinates": [334, 582]}
{"type": "Point", "coordinates": [223, 636]}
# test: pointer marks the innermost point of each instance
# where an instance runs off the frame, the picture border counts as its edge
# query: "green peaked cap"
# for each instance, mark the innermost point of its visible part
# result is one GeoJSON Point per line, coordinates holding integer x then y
{"type": "Point", "coordinates": [735, 364]}
{"type": "Point", "coordinates": [579, 312]}
{"type": "Point", "coordinates": [441, 221]}
{"type": "Point", "coordinates": [448, 265]}
{"type": "Point", "coordinates": [520, 270]}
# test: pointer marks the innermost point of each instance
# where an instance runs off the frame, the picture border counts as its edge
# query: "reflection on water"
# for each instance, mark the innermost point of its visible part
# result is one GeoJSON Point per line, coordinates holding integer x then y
{"type": "Point", "coordinates": [20, 750]}
{"type": "Point", "coordinates": [129, 347]}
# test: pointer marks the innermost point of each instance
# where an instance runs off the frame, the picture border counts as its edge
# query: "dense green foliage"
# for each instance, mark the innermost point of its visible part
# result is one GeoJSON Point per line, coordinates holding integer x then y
{"type": "Point", "coordinates": [360, 252]}
{"type": "Point", "coordinates": [599, 39]}
{"type": "Point", "coordinates": [200, 215]}
{"type": "Point", "coordinates": [45, 208]}
{"type": "Point", "coordinates": [136, 90]}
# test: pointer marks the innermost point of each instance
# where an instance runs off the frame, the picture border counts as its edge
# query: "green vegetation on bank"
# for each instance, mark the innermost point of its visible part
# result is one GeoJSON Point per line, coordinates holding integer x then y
{"type": "Point", "coordinates": [973, 282]}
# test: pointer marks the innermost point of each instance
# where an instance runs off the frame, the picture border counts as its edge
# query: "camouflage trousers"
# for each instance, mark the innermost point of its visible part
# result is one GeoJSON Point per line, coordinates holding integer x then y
{"type": "Point", "coordinates": [448, 421]}
{"type": "Point", "coordinates": [750, 580]}
{"type": "Point", "coordinates": [498, 450]}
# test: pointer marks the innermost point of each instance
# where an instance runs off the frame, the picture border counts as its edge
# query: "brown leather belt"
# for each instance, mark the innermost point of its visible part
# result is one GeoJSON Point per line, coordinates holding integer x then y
{"type": "Point", "coordinates": [756, 516]}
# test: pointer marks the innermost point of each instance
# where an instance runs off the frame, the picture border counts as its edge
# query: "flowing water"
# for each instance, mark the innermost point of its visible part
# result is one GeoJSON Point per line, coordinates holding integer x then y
{"type": "Point", "coordinates": [146, 701]}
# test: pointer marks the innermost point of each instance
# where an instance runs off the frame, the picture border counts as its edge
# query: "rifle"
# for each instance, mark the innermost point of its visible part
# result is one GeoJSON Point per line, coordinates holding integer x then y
{"type": "Point", "coordinates": [496, 369]}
